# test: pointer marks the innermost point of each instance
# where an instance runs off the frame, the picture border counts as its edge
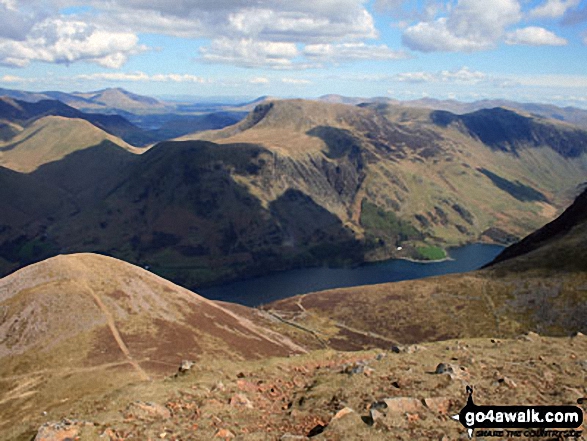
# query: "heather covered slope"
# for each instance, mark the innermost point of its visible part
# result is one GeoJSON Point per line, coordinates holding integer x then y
{"type": "Point", "coordinates": [375, 395]}
{"type": "Point", "coordinates": [561, 245]}
{"type": "Point", "coordinates": [72, 315]}
{"type": "Point", "coordinates": [78, 315]}
{"type": "Point", "coordinates": [537, 284]}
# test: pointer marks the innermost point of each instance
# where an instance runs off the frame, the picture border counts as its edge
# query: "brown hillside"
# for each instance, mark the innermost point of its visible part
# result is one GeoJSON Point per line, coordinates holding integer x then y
{"type": "Point", "coordinates": [537, 284]}
{"type": "Point", "coordinates": [52, 138]}
{"type": "Point", "coordinates": [72, 316]}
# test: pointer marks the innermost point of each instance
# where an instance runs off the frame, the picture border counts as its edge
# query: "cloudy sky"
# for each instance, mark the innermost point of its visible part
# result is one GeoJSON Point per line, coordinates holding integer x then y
{"type": "Point", "coordinates": [530, 50]}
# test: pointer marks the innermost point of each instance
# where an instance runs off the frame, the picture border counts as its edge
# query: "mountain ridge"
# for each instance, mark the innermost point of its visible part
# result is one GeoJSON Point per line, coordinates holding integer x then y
{"type": "Point", "coordinates": [377, 181]}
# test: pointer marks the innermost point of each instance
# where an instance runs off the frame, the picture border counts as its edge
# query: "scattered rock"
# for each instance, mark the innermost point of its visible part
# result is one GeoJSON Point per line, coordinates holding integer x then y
{"type": "Point", "coordinates": [218, 387]}
{"type": "Point", "coordinates": [530, 336]}
{"type": "Point", "coordinates": [583, 364]}
{"type": "Point", "coordinates": [65, 430]}
{"type": "Point", "coordinates": [396, 349]}
{"type": "Point", "coordinates": [343, 423]}
{"type": "Point", "coordinates": [454, 371]}
{"type": "Point", "coordinates": [440, 405]}
{"type": "Point", "coordinates": [403, 405]}
{"type": "Point", "coordinates": [240, 400]}
{"type": "Point", "coordinates": [380, 356]}
{"type": "Point", "coordinates": [342, 413]}
{"type": "Point", "coordinates": [224, 433]}
{"type": "Point", "coordinates": [507, 382]}
{"type": "Point", "coordinates": [444, 368]}
{"type": "Point", "coordinates": [185, 366]}
{"type": "Point", "coordinates": [414, 348]}
{"type": "Point", "coordinates": [316, 430]}
{"type": "Point", "coordinates": [142, 410]}
{"type": "Point", "coordinates": [368, 371]}
{"type": "Point", "coordinates": [375, 415]}
{"type": "Point", "coordinates": [356, 368]}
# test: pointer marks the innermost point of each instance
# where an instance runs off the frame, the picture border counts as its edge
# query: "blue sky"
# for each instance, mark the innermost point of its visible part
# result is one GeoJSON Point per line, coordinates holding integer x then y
{"type": "Point", "coordinates": [462, 49]}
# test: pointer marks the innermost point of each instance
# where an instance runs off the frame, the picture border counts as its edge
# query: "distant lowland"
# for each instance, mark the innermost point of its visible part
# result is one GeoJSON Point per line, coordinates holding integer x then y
{"type": "Point", "coordinates": [203, 195]}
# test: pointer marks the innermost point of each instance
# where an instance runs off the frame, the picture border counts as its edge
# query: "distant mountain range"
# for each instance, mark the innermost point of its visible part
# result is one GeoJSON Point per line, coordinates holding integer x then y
{"type": "Point", "coordinates": [573, 115]}
{"type": "Point", "coordinates": [296, 183]}
{"type": "Point", "coordinates": [98, 101]}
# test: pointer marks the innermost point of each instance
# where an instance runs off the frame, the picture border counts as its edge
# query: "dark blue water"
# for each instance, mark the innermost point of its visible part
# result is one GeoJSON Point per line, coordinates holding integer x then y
{"type": "Point", "coordinates": [260, 290]}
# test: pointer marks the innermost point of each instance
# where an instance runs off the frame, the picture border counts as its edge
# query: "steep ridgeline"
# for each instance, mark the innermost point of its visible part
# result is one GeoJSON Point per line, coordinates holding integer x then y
{"type": "Point", "coordinates": [15, 113]}
{"type": "Point", "coordinates": [406, 177]}
{"type": "Point", "coordinates": [94, 348]}
{"type": "Point", "coordinates": [83, 316]}
{"type": "Point", "coordinates": [538, 284]}
{"type": "Point", "coordinates": [100, 101]}
{"type": "Point", "coordinates": [300, 183]}
{"type": "Point", "coordinates": [559, 245]}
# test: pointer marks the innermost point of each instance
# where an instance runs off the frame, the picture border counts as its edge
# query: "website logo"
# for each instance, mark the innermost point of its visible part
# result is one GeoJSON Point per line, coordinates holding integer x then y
{"type": "Point", "coordinates": [535, 421]}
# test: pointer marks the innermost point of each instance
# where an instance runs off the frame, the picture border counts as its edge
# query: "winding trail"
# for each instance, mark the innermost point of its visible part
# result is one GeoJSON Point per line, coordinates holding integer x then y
{"type": "Point", "coordinates": [116, 333]}
{"type": "Point", "coordinates": [491, 307]}
{"type": "Point", "coordinates": [300, 327]}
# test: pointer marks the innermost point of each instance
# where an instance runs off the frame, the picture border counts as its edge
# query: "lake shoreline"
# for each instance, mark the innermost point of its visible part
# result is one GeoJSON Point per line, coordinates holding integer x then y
{"type": "Point", "coordinates": [265, 289]}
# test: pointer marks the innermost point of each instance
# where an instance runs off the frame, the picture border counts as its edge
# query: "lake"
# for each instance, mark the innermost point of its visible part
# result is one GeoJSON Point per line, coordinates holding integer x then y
{"type": "Point", "coordinates": [260, 290]}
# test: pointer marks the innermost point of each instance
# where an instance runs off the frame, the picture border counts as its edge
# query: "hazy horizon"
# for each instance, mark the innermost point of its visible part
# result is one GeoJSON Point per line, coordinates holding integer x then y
{"type": "Point", "coordinates": [527, 51]}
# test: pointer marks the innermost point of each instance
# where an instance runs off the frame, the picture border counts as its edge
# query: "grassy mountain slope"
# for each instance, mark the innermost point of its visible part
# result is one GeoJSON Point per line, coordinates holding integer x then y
{"type": "Point", "coordinates": [431, 173]}
{"type": "Point", "coordinates": [125, 326]}
{"type": "Point", "coordinates": [537, 284]}
{"type": "Point", "coordinates": [314, 183]}
{"type": "Point", "coordinates": [572, 115]}
{"type": "Point", "coordinates": [75, 316]}
{"type": "Point", "coordinates": [559, 245]}
{"type": "Point", "coordinates": [52, 138]}
{"type": "Point", "coordinates": [24, 113]}
{"type": "Point", "coordinates": [330, 395]}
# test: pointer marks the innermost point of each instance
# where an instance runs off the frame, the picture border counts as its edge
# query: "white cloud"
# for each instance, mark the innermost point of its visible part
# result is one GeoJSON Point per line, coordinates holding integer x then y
{"type": "Point", "coordinates": [62, 41]}
{"type": "Point", "coordinates": [553, 8]}
{"type": "Point", "coordinates": [140, 76]}
{"type": "Point", "coordinates": [296, 81]}
{"type": "Point", "coordinates": [351, 51]}
{"type": "Point", "coordinates": [471, 25]}
{"type": "Point", "coordinates": [251, 53]}
{"type": "Point", "coordinates": [415, 77]}
{"type": "Point", "coordinates": [534, 36]}
{"type": "Point", "coordinates": [305, 21]}
{"type": "Point", "coordinates": [259, 80]}
{"type": "Point", "coordinates": [264, 33]}
{"type": "Point", "coordinates": [15, 79]}
{"type": "Point", "coordinates": [463, 75]}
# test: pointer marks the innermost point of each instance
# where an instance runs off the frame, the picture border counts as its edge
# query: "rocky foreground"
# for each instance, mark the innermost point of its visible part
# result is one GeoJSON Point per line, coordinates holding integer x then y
{"type": "Point", "coordinates": [405, 393]}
